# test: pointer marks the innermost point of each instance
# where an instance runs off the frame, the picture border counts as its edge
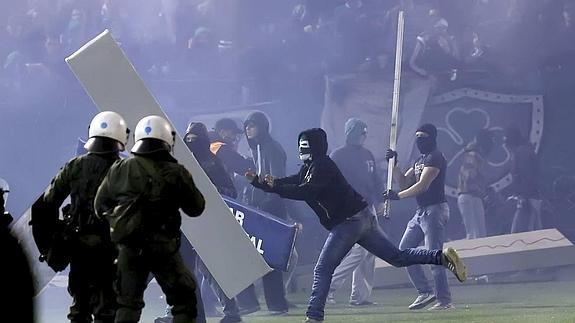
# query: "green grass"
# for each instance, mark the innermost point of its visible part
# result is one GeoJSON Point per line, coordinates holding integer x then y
{"type": "Point", "coordinates": [526, 302]}
{"type": "Point", "coordinates": [523, 303]}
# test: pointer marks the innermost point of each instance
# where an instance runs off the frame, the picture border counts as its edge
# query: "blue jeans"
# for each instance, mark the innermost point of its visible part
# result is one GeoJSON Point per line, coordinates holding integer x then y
{"type": "Point", "coordinates": [428, 225]}
{"type": "Point", "coordinates": [364, 230]}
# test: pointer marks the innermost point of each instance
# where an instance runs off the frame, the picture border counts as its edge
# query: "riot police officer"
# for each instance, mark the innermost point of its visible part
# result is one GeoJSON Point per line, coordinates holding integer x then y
{"type": "Point", "coordinates": [148, 238]}
{"type": "Point", "coordinates": [92, 254]}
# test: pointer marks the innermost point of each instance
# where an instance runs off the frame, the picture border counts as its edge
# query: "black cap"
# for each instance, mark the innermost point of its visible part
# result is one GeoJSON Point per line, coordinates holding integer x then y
{"type": "Point", "coordinates": [227, 124]}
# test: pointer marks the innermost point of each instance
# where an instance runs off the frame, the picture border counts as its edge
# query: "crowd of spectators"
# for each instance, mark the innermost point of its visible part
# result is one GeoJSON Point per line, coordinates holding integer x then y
{"type": "Point", "coordinates": [264, 45]}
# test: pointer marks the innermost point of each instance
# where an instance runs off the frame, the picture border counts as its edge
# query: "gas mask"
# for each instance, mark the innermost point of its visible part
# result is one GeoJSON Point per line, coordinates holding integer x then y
{"type": "Point", "coordinates": [304, 150]}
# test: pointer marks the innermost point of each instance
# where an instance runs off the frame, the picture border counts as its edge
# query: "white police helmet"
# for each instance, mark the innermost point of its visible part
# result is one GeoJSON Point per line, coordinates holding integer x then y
{"type": "Point", "coordinates": [153, 133]}
{"type": "Point", "coordinates": [107, 124]}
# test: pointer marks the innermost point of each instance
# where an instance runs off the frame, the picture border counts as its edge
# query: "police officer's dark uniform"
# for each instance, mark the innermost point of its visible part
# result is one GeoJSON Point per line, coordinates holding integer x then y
{"type": "Point", "coordinates": [92, 254]}
{"type": "Point", "coordinates": [18, 281]}
{"type": "Point", "coordinates": [154, 246]}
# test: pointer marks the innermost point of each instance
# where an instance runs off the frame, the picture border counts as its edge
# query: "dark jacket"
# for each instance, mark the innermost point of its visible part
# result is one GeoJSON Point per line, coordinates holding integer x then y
{"type": "Point", "coordinates": [172, 188]}
{"type": "Point", "coordinates": [19, 282]}
{"type": "Point", "coordinates": [357, 163]}
{"type": "Point", "coordinates": [232, 160]}
{"type": "Point", "coordinates": [358, 166]}
{"type": "Point", "coordinates": [79, 178]}
{"type": "Point", "coordinates": [524, 171]}
{"type": "Point", "coordinates": [271, 159]}
{"type": "Point", "coordinates": [320, 184]}
{"type": "Point", "coordinates": [210, 163]}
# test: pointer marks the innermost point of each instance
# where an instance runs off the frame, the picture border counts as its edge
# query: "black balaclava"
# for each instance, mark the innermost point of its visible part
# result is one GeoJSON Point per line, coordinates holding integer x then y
{"type": "Point", "coordinates": [429, 143]}
{"type": "Point", "coordinates": [197, 139]}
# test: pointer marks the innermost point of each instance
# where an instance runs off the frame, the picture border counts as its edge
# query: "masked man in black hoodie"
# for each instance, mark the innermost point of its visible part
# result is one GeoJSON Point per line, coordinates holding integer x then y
{"type": "Point", "coordinates": [198, 142]}
{"type": "Point", "coordinates": [343, 212]}
{"type": "Point", "coordinates": [269, 158]}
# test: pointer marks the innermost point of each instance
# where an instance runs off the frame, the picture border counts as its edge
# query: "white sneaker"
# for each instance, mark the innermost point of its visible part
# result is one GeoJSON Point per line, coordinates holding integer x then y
{"type": "Point", "coordinates": [441, 307]}
{"type": "Point", "coordinates": [422, 301]}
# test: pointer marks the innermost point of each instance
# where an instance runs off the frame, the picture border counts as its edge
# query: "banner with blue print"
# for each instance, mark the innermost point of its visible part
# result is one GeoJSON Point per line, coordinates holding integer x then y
{"type": "Point", "coordinates": [273, 237]}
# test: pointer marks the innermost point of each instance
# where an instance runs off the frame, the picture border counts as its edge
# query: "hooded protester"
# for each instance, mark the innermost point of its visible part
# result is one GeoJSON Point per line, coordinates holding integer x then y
{"type": "Point", "coordinates": [358, 166]}
{"type": "Point", "coordinates": [525, 181]}
{"type": "Point", "coordinates": [269, 158]}
{"type": "Point", "coordinates": [472, 185]}
{"type": "Point", "coordinates": [198, 142]}
{"type": "Point", "coordinates": [344, 213]}
{"type": "Point", "coordinates": [426, 182]}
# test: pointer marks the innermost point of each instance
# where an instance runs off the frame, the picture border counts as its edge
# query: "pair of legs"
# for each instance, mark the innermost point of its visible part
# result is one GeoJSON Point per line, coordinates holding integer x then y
{"type": "Point", "coordinates": [274, 293]}
{"type": "Point", "coordinates": [361, 265]}
{"type": "Point", "coordinates": [273, 282]}
{"type": "Point", "coordinates": [473, 215]}
{"type": "Point", "coordinates": [364, 230]}
{"type": "Point", "coordinates": [527, 216]}
{"type": "Point", "coordinates": [163, 260]}
{"type": "Point", "coordinates": [231, 311]}
{"type": "Point", "coordinates": [91, 280]}
{"type": "Point", "coordinates": [209, 285]}
{"type": "Point", "coordinates": [428, 225]}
